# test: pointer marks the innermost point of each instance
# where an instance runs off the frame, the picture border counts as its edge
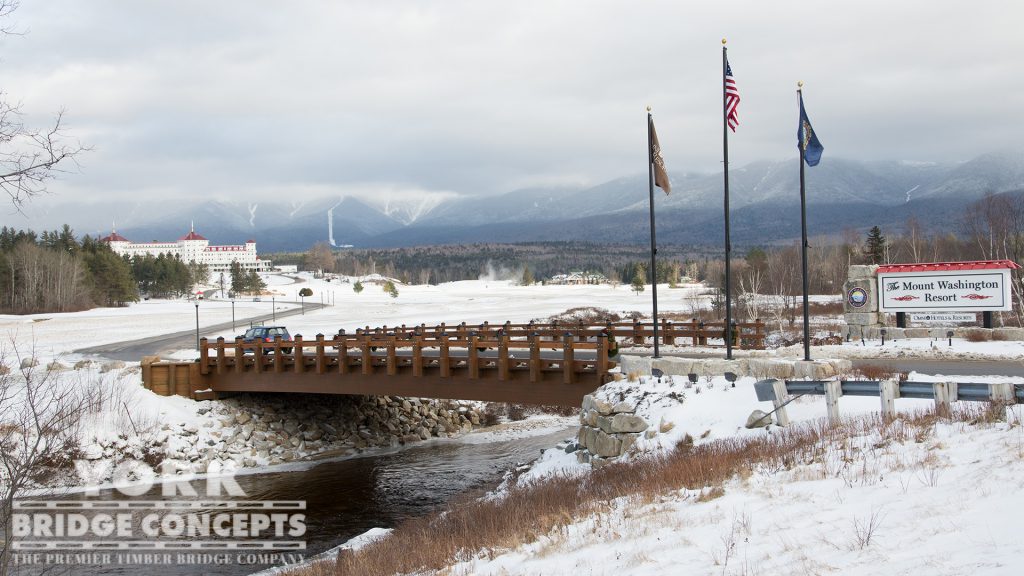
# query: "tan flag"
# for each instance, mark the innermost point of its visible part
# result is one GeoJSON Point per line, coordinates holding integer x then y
{"type": "Point", "coordinates": [660, 175]}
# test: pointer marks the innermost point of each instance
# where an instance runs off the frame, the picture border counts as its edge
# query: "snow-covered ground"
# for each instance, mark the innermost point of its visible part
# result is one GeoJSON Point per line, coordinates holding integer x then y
{"type": "Point", "coordinates": [944, 505]}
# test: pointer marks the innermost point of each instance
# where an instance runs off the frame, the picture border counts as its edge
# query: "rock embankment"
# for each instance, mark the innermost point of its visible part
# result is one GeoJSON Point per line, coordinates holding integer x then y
{"type": "Point", "coordinates": [259, 430]}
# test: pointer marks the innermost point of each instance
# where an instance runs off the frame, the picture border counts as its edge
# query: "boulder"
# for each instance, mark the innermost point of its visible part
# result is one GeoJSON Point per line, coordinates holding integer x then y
{"type": "Point", "coordinates": [758, 419]}
{"type": "Point", "coordinates": [627, 423]}
{"type": "Point", "coordinates": [606, 445]}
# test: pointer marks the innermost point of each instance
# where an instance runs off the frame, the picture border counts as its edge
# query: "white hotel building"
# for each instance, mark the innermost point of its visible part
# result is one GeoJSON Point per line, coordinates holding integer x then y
{"type": "Point", "coordinates": [193, 248]}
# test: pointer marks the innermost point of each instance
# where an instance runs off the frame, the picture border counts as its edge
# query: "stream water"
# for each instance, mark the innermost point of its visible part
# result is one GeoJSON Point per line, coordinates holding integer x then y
{"type": "Point", "coordinates": [345, 498]}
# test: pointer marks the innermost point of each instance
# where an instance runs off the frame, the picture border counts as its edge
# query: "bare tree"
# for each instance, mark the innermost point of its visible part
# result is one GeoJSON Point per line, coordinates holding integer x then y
{"type": "Point", "coordinates": [29, 157]}
{"type": "Point", "coordinates": [39, 430]}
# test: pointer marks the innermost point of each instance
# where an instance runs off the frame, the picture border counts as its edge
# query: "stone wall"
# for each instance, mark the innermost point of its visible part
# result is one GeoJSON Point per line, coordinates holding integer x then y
{"type": "Point", "coordinates": [607, 430]}
{"type": "Point", "coordinates": [760, 368]}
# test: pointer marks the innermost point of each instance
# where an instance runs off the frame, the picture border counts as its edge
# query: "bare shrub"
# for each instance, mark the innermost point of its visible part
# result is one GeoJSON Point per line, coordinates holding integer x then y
{"type": "Point", "coordinates": [490, 415]}
{"type": "Point", "coordinates": [585, 315]}
{"type": "Point", "coordinates": [515, 412]}
{"type": "Point", "coordinates": [876, 372]}
{"type": "Point", "coordinates": [1000, 336]}
{"type": "Point", "coordinates": [864, 529]}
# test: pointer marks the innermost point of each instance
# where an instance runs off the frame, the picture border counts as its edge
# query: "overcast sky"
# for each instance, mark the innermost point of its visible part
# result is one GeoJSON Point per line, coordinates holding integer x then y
{"type": "Point", "coordinates": [249, 99]}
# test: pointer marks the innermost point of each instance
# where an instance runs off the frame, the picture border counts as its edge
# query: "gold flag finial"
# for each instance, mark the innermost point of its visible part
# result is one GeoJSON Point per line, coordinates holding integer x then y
{"type": "Point", "coordinates": [800, 84]}
{"type": "Point", "coordinates": [648, 107]}
{"type": "Point", "coordinates": [723, 41]}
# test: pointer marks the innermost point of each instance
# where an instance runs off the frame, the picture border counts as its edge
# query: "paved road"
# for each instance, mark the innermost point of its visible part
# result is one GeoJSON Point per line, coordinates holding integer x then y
{"type": "Point", "coordinates": [922, 365]}
{"type": "Point", "coordinates": [134, 350]}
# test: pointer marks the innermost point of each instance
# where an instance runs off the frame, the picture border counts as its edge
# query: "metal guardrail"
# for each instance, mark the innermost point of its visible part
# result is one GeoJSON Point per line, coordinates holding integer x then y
{"type": "Point", "coordinates": [943, 393]}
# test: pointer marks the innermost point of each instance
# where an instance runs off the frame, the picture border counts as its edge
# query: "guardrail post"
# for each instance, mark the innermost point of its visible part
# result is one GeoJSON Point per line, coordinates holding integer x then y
{"type": "Point", "coordinates": [942, 399]}
{"type": "Point", "coordinates": [474, 357]}
{"type": "Point", "coordinates": [833, 391]}
{"type": "Point", "coordinates": [781, 416]}
{"type": "Point", "coordinates": [299, 365]}
{"type": "Point", "coordinates": [534, 357]}
{"type": "Point", "coordinates": [321, 358]}
{"type": "Point", "coordinates": [888, 392]}
{"type": "Point", "coordinates": [503, 357]}
{"type": "Point", "coordinates": [221, 361]}
{"type": "Point", "coordinates": [1001, 393]}
{"type": "Point", "coordinates": [392, 358]}
{"type": "Point", "coordinates": [444, 357]}
{"type": "Point", "coordinates": [239, 356]}
{"type": "Point", "coordinates": [568, 359]}
{"type": "Point", "coordinates": [204, 356]}
{"type": "Point", "coordinates": [278, 358]}
{"type": "Point", "coordinates": [367, 355]}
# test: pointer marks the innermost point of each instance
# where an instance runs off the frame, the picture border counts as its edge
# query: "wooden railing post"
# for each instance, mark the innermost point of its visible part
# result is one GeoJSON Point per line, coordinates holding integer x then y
{"type": "Point", "coordinates": [299, 366]}
{"type": "Point", "coordinates": [474, 357]}
{"type": "Point", "coordinates": [534, 357]}
{"type": "Point", "coordinates": [260, 357]}
{"type": "Point", "coordinates": [417, 356]}
{"type": "Point", "coordinates": [321, 358]}
{"type": "Point", "coordinates": [367, 355]}
{"type": "Point", "coordinates": [638, 334]}
{"type": "Point", "coordinates": [696, 332]}
{"type": "Point", "coordinates": [239, 356]}
{"type": "Point", "coordinates": [668, 337]}
{"type": "Point", "coordinates": [444, 358]}
{"type": "Point", "coordinates": [341, 343]}
{"type": "Point", "coordinates": [602, 357]}
{"type": "Point", "coordinates": [221, 360]}
{"type": "Point", "coordinates": [204, 356]}
{"type": "Point", "coordinates": [392, 358]}
{"type": "Point", "coordinates": [503, 357]}
{"type": "Point", "coordinates": [568, 359]}
{"type": "Point", "coordinates": [278, 357]}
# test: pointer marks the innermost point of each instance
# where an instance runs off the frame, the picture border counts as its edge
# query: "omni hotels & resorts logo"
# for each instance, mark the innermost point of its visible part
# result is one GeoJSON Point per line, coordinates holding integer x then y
{"type": "Point", "coordinates": [180, 525]}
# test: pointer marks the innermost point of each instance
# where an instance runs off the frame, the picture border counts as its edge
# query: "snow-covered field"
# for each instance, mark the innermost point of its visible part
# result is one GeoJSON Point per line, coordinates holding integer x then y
{"type": "Point", "coordinates": [947, 504]}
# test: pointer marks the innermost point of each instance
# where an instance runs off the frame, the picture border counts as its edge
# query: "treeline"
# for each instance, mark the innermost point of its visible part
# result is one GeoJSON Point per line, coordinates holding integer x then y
{"type": "Point", "coordinates": [55, 272]}
{"type": "Point", "coordinates": [449, 263]}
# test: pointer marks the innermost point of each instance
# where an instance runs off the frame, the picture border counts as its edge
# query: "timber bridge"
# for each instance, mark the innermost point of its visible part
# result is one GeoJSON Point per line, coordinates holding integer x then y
{"type": "Point", "coordinates": [555, 364]}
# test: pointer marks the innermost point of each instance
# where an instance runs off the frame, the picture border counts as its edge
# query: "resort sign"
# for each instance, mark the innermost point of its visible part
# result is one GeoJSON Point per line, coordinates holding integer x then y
{"type": "Point", "coordinates": [945, 287]}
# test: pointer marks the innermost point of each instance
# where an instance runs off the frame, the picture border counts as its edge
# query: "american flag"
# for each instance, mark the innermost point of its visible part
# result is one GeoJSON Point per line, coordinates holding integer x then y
{"type": "Point", "coordinates": [732, 98]}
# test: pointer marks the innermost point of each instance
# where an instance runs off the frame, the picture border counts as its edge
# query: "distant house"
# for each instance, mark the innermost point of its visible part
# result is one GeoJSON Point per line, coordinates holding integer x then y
{"type": "Point", "coordinates": [193, 248]}
{"type": "Point", "coordinates": [574, 278]}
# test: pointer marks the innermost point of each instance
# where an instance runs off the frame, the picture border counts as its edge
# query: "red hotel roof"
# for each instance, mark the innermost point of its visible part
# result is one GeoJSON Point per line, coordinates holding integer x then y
{"type": "Point", "coordinates": [114, 237]}
{"type": "Point", "coordinates": [943, 266]}
{"type": "Point", "coordinates": [192, 236]}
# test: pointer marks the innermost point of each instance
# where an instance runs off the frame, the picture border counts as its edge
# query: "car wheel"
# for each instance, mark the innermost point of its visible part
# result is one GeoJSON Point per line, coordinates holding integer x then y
{"type": "Point", "coordinates": [286, 350]}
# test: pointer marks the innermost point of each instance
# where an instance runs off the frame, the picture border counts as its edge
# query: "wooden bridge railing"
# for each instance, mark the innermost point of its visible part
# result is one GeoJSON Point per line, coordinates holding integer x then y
{"type": "Point", "coordinates": [368, 354]}
{"type": "Point", "coordinates": [748, 335]}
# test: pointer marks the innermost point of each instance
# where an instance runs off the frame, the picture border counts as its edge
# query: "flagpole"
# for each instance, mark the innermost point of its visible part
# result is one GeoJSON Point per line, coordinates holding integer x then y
{"type": "Point", "coordinates": [654, 249]}
{"type": "Point", "coordinates": [803, 235]}
{"type": "Point", "coordinates": [728, 243]}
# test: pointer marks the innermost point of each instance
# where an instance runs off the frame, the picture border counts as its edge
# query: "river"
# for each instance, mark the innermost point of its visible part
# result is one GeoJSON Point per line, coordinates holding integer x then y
{"type": "Point", "coordinates": [347, 497]}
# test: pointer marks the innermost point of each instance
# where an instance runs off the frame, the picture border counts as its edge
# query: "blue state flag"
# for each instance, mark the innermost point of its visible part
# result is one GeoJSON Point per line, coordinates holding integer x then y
{"type": "Point", "coordinates": [807, 138]}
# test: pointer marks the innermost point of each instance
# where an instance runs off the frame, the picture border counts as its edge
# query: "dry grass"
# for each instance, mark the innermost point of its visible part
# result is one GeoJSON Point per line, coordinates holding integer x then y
{"type": "Point", "coordinates": [878, 372]}
{"type": "Point", "coordinates": [485, 528]}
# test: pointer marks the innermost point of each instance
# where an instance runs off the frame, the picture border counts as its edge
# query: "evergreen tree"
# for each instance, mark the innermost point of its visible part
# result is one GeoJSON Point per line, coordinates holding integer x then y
{"type": "Point", "coordinates": [528, 278]}
{"type": "Point", "coordinates": [357, 287]}
{"type": "Point", "coordinates": [874, 246]}
{"type": "Point", "coordinates": [639, 278]}
{"type": "Point", "coordinates": [237, 278]}
{"type": "Point", "coordinates": [390, 289]}
{"type": "Point", "coordinates": [254, 283]}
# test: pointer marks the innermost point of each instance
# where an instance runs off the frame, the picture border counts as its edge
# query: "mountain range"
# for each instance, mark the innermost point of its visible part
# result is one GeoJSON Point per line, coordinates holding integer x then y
{"type": "Point", "coordinates": [764, 201]}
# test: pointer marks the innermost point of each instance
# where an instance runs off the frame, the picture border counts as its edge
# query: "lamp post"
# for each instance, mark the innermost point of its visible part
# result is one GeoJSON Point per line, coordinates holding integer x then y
{"type": "Point", "coordinates": [197, 325]}
{"type": "Point", "coordinates": [273, 309]}
{"type": "Point", "coordinates": [232, 315]}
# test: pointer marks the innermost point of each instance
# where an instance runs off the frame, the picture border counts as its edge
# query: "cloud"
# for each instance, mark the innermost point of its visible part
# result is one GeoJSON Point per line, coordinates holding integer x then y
{"type": "Point", "coordinates": [240, 98]}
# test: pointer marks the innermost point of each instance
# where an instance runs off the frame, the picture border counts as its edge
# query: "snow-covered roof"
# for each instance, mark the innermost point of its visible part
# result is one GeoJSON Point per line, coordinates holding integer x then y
{"type": "Point", "coordinates": [944, 266]}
